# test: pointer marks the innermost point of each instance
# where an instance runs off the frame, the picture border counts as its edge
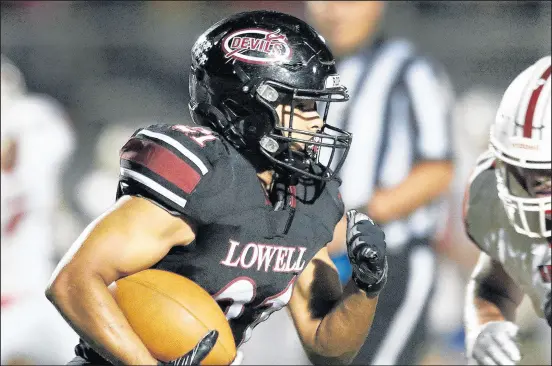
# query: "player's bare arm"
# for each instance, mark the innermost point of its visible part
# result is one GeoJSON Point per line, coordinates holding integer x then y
{"type": "Point", "coordinates": [492, 295]}
{"type": "Point", "coordinates": [491, 302]}
{"type": "Point", "coordinates": [332, 322]}
{"type": "Point", "coordinates": [132, 236]}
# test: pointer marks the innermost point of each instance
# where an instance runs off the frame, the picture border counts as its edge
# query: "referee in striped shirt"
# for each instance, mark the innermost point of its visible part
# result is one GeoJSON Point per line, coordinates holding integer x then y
{"type": "Point", "coordinates": [398, 165]}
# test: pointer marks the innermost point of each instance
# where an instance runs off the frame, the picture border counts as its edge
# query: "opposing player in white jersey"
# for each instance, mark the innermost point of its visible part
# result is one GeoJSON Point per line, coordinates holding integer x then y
{"type": "Point", "coordinates": [36, 140]}
{"type": "Point", "coordinates": [507, 214]}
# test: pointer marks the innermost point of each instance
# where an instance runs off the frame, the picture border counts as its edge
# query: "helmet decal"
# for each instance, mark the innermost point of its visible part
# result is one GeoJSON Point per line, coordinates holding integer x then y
{"type": "Point", "coordinates": [257, 46]}
{"type": "Point", "coordinates": [528, 124]}
{"type": "Point", "coordinates": [199, 51]}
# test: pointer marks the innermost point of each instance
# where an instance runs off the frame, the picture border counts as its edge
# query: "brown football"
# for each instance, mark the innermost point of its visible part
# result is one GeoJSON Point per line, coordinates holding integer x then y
{"type": "Point", "coordinates": [170, 313]}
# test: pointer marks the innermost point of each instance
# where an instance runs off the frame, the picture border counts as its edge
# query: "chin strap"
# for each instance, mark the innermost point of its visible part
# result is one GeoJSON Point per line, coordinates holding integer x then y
{"type": "Point", "coordinates": [211, 115]}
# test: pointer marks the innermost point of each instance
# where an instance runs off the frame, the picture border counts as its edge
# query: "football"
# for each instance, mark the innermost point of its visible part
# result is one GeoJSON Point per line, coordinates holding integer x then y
{"type": "Point", "coordinates": [170, 313]}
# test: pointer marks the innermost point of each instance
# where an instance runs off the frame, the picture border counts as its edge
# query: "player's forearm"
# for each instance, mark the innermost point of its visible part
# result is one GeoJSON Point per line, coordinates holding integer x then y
{"type": "Point", "coordinates": [483, 306]}
{"type": "Point", "coordinates": [491, 295]}
{"type": "Point", "coordinates": [344, 329]}
{"type": "Point", "coordinates": [86, 303]}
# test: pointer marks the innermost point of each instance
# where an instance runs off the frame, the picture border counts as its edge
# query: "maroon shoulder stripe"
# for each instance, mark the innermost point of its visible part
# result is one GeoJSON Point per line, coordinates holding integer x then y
{"type": "Point", "coordinates": [528, 125]}
{"type": "Point", "coordinates": [163, 162]}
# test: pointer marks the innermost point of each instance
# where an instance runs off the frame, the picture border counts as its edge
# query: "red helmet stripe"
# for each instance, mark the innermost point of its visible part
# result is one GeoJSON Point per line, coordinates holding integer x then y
{"type": "Point", "coordinates": [528, 125]}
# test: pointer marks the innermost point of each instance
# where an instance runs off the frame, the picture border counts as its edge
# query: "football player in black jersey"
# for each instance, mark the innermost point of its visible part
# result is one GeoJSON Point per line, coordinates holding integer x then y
{"type": "Point", "coordinates": [238, 203]}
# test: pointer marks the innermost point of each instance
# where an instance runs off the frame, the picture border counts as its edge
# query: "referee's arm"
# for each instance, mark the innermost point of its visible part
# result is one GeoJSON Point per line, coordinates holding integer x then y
{"type": "Point", "coordinates": [431, 101]}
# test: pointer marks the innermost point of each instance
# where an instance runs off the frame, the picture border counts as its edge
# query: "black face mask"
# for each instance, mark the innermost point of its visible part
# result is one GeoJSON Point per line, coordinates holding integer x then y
{"type": "Point", "coordinates": [278, 144]}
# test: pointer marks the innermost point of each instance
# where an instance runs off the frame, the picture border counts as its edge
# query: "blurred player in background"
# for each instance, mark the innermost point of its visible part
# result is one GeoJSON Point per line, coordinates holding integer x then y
{"type": "Point", "coordinates": [508, 216]}
{"type": "Point", "coordinates": [94, 191]}
{"type": "Point", "coordinates": [399, 165]}
{"type": "Point", "coordinates": [36, 142]}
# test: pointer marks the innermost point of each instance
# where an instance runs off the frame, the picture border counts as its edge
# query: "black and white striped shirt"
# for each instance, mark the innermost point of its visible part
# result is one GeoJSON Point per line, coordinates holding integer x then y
{"type": "Point", "coordinates": [399, 114]}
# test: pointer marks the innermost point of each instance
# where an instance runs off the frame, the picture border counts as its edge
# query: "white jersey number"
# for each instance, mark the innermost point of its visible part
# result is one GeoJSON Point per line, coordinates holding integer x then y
{"type": "Point", "coordinates": [241, 292]}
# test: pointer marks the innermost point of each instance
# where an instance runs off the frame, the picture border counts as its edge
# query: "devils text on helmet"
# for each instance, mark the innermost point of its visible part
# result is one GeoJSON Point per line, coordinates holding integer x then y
{"type": "Point", "coordinates": [257, 46]}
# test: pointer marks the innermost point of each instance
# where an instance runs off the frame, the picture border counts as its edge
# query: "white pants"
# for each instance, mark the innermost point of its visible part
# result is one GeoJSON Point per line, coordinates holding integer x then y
{"type": "Point", "coordinates": [274, 342]}
{"type": "Point", "coordinates": [33, 329]}
{"type": "Point", "coordinates": [239, 358]}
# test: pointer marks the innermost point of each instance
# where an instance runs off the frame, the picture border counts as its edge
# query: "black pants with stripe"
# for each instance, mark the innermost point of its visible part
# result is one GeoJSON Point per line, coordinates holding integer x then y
{"type": "Point", "coordinates": [399, 329]}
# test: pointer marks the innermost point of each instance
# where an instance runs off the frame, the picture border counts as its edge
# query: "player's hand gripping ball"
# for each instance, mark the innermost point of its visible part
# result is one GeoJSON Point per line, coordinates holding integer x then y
{"type": "Point", "coordinates": [195, 356]}
{"type": "Point", "coordinates": [171, 314]}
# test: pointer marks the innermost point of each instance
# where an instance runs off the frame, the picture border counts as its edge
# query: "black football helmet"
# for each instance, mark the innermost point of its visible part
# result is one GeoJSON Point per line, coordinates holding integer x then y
{"type": "Point", "coordinates": [246, 65]}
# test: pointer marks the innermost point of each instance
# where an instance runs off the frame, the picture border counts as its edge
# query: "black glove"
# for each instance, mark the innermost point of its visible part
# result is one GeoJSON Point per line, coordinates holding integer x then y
{"type": "Point", "coordinates": [548, 309]}
{"type": "Point", "coordinates": [366, 251]}
{"type": "Point", "coordinates": [200, 351]}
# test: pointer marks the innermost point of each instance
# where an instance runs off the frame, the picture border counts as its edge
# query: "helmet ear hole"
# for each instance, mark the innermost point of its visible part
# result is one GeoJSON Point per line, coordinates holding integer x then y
{"type": "Point", "coordinates": [254, 127]}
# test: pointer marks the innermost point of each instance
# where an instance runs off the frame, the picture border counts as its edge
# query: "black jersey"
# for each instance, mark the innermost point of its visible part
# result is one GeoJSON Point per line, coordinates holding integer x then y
{"type": "Point", "coordinates": [249, 247]}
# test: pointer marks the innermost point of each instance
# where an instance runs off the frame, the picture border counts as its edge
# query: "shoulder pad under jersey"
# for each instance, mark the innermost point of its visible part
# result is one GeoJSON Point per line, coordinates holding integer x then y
{"type": "Point", "coordinates": [171, 165]}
